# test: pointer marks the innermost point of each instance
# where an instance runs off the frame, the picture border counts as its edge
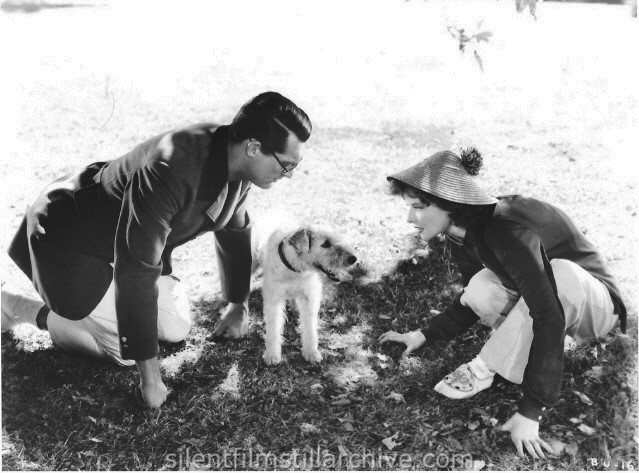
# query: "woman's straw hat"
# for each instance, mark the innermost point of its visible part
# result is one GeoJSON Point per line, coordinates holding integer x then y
{"type": "Point", "coordinates": [449, 177]}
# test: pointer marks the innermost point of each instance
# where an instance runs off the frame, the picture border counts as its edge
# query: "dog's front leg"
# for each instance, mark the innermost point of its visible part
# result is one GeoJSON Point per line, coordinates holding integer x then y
{"type": "Point", "coordinates": [308, 307]}
{"type": "Point", "coordinates": [274, 319]}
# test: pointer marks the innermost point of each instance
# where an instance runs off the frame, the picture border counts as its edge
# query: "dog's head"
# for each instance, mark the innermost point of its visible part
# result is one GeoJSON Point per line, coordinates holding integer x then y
{"type": "Point", "coordinates": [322, 250]}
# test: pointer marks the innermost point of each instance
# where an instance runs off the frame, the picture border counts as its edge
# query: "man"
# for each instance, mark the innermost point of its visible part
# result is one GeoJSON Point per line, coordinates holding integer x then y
{"type": "Point", "coordinates": [97, 244]}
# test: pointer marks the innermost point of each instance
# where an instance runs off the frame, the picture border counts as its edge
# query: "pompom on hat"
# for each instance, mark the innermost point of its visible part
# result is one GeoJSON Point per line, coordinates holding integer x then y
{"type": "Point", "coordinates": [448, 176]}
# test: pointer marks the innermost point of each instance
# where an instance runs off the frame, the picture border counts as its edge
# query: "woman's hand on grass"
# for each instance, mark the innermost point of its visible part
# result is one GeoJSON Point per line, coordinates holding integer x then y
{"type": "Point", "coordinates": [412, 340]}
{"type": "Point", "coordinates": [524, 432]}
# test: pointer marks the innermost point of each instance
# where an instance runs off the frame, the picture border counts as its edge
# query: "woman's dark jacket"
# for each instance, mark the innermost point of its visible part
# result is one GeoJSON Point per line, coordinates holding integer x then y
{"type": "Point", "coordinates": [516, 239]}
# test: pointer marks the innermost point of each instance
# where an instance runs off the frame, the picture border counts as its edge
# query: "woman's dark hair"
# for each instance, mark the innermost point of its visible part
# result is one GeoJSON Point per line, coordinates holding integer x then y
{"type": "Point", "coordinates": [269, 118]}
{"type": "Point", "coordinates": [460, 214]}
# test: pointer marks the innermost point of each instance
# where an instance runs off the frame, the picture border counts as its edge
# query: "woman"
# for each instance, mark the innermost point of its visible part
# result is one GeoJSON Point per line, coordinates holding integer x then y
{"type": "Point", "coordinates": [527, 271]}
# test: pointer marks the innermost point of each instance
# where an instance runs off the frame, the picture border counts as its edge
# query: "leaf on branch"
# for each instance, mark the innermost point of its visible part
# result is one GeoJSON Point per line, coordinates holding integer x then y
{"type": "Point", "coordinates": [483, 36]}
{"type": "Point", "coordinates": [531, 4]}
{"type": "Point", "coordinates": [479, 61]}
{"type": "Point", "coordinates": [454, 32]}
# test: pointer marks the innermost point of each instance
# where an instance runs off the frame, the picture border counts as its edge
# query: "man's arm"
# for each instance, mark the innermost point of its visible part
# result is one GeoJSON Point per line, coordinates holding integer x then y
{"type": "Point", "coordinates": [153, 196]}
{"type": "Point", "coordinates": [233, 247]}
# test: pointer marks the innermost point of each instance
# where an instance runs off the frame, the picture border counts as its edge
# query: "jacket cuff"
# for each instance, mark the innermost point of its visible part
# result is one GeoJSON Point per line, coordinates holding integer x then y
{"type": "Point", "coordinates": [235, 260]}
{"type": "Point", "coordinates": [428, 335]}
{"type": "Point", "coordinates": [531, 408]}
{"type": "Point", "coordinates": [138, 351]}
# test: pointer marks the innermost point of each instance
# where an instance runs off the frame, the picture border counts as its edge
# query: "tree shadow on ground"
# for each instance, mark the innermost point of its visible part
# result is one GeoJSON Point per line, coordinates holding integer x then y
{"type": "Point", "coordinates": [63, 411]}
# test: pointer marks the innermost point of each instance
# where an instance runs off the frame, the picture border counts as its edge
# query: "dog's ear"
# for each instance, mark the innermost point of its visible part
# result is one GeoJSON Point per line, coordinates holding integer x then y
{"type": "Point", "coordinates": [300, 240]}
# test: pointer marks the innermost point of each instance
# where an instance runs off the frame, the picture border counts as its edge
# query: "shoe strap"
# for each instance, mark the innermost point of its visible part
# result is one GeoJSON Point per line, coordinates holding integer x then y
{"type": "Point", "coordinates": [481, 372]}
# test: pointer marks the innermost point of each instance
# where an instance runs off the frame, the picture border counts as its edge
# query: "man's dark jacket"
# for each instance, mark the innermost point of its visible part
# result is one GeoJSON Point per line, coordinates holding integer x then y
{"type": "Point", "coordinates": [120, 220]}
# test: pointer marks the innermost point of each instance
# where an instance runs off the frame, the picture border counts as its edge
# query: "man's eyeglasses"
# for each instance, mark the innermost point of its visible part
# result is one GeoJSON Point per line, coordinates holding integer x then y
{"type": "Point", "coordinates": [285, 169]}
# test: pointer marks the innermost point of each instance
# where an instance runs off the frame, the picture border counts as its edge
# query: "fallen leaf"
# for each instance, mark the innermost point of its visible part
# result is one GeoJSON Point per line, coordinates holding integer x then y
{"type": "Point", "coordinates": [435, 312]}
{"type": "Point", "coordinates": [348, 427]}
{"type": "Point", "coordinates": [586, 429]}
{"type": "Point", "coordinates": [572, 448]}
{"type": "Point", "coordinates": [389, 442]}
{"type": "Point", "coordinates": [317, 386]}
{"type": "Point", "coordinates": [386, 424]}
{"type": "Point", "coordinates": [574, 420]}
{"type": "Point", "coordinates": [338, 346]}
{"type": "Point", "coordinates": [454, 443]}
{"type": "Point", "coordinates": [489, 421]}
{"type": "Point", "coordinates": [381, 356]}
{"type": "Point", "coordinates": [194, 442]}
{"type": "Point", "coordinates": [395, 397]}
{"type": "Point", "coordinates": [341, 402]}
{"type": "Point", "coordinates": [585, 399]}
{"type": "Point", "coordinates": [342, 451]}
{"type": "Point", "coordinates": [93, 439]}
{"type": "Point", "coordinates": [477, 465]}
{"type": "Point", "coordinates": [92, 419]}
{"type": "Point", "coordinates": [88, 399]}
{"type": "Point", "coordinates": [308, 428]}
{"type": "Point", "coordinates": [385, 317]}
{"type": "Point", "coordinates": [557, 446]}
{"type": "Point", "coordinates": [345, 419]}
{"type": "Point", "coordinates": [595, 372]}
{"type": "Point", "coordinates": [473, 425]}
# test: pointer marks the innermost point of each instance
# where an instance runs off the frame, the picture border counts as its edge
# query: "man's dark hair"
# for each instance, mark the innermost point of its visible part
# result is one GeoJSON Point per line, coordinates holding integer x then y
{"type": "Point", "coordinates": [460, 214]}
{"type": "Point", "coordinates": [269, 118]}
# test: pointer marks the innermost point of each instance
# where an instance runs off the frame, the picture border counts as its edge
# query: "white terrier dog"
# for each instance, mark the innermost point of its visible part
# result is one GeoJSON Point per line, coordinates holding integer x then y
{"type": "Point", "coordinates": [294, 263]}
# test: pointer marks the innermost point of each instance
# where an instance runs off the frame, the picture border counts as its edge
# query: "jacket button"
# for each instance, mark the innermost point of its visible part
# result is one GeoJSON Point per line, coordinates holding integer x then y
{"type": "Point", "coordinates": [124, 339]}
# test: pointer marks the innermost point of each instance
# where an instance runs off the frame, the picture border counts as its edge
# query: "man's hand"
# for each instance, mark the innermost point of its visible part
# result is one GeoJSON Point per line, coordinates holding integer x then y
{"type": "Point", "coordinates": [412, 340]}
{"type": "Point", "coordinates": [525, 432]}
{"type": "Point", "coordinates": [234, 322]}
{"type": "Point", "coordinates": [152, 387]}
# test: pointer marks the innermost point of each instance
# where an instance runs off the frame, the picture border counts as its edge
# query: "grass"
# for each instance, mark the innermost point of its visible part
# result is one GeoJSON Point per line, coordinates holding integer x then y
{"type": "Point", "coordinates": [62, 411]}
{"type": "Point", "coordinates": [553, 116]}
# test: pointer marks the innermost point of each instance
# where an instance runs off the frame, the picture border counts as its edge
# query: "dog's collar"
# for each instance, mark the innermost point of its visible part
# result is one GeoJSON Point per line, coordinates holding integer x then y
{"type": "Point", "coordinates": [280, 250]}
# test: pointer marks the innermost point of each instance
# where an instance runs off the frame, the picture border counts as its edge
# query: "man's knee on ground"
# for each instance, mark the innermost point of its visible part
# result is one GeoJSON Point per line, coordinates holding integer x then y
{"type": "Point", "coordinates": [174, 328]}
